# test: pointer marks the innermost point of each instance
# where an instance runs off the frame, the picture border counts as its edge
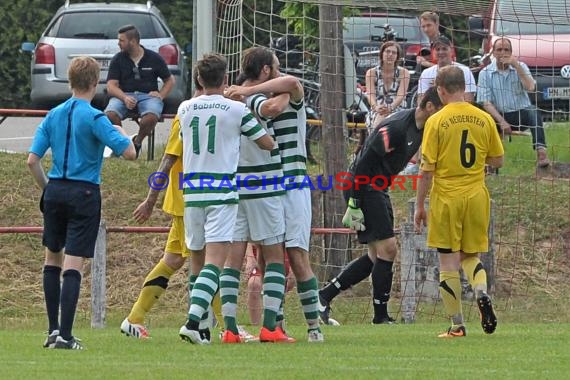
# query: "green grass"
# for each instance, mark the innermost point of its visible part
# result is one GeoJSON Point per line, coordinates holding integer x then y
{"type": "Point", "coordinates": [521, 351]}
{"type": "Point", "coordinates": [520, 158]}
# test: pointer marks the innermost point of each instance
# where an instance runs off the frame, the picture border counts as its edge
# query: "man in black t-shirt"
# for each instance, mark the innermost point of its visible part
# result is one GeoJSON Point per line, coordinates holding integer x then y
{"type": "Point", "coordinates": [132, 84]}
{"type": "Point", "coordinates": [390, 146]}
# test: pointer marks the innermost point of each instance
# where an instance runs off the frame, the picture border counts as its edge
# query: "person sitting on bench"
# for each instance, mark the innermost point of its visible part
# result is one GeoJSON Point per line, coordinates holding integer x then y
{"type": "Point", "coordinates": [502, 90]}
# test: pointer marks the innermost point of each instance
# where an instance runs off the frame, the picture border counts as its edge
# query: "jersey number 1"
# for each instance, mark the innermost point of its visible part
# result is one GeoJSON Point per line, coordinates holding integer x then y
{"type": "Point", "coordinates": [195, 125]}
{"type": "Point", "coordinates": [466, 149]}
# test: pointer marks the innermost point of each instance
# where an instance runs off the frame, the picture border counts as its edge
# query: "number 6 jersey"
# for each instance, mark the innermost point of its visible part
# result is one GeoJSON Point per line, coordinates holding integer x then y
{"type": "Point", "coordinates": [456, 142]}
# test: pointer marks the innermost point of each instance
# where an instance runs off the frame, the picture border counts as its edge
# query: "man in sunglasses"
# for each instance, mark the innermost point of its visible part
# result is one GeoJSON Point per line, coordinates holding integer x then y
{"type": "Point", "coordinates": [132, 84]}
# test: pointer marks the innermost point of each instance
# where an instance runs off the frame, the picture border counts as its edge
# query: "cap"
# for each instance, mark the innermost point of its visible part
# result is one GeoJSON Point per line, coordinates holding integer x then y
{"type": "Point", "coordinates": [443, 40]}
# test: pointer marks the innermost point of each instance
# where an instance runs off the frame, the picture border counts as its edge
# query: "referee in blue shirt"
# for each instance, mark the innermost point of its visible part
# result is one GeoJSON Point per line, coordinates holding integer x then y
{"type": "Point", "coordinates": [77, 134]}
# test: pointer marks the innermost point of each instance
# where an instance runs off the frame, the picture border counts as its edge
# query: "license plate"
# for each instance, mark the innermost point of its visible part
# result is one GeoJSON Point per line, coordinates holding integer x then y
{"type": "Point", "coordinates": [557, 93]}
{"type": "Point", "coordinates": [104, 63]}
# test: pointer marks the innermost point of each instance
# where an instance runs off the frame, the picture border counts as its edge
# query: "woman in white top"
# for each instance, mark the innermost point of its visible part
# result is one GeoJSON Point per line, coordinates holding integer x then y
{"type": "Point", "coordinates": [387, 83]}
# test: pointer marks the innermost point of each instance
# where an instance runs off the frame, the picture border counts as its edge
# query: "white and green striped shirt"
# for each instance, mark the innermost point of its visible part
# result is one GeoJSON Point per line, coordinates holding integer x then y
{"type": "Point", "coordinates": [211, 127]}
{"type": "Point", "coordinates": [260, 172]}
{"type": "Point", "coordinates": [290, 130]}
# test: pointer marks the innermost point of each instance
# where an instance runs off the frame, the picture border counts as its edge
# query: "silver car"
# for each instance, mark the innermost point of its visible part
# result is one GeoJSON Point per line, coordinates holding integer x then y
{"type": "Point", "coordinates": [91, 29]}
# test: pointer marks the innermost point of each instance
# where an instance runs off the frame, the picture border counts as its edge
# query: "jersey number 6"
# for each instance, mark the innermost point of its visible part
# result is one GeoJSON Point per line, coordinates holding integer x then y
{"type": "Point", "coordinates": [464, 148]}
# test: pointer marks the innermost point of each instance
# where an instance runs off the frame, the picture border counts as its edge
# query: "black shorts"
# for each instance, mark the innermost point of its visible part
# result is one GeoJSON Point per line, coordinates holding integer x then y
{"type": "Point", "coordinates": [72, 212]}
{"type": "Point", "coordinates": [378, 217]}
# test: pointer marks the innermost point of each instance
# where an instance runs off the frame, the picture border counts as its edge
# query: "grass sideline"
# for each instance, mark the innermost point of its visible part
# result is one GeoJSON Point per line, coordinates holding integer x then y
{"type": "Point", "coordinates": [519, 351]}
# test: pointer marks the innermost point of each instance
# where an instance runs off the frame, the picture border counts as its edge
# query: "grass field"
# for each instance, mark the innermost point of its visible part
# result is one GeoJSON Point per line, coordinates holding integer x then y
{"type": "Point", "coordinates": [515, 351]}
{"type": "Point", "coordinates": [532, 230]}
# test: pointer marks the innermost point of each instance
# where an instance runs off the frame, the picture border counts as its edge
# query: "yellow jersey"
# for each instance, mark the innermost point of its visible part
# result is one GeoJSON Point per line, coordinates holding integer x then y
{"type": "Point", "coordinates": [173, 199]}
{"type": "Point", "coordinates": [457, 140]}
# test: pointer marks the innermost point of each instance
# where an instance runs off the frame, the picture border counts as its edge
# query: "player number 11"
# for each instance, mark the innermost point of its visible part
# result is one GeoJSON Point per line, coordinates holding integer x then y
{"type": "Point", "coordinates": [195, 125]}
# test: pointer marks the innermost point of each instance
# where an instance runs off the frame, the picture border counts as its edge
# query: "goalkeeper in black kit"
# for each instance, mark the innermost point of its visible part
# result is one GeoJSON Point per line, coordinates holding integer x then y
{"type": "Point", "coordinates": [385, 153]}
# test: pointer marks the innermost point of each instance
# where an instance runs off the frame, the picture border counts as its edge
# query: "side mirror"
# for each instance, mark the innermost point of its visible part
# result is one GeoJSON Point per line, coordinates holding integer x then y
{"type": "Point", "coordinates": [28, 47]}
{"type": "Point", "coordinates": [477, 28]}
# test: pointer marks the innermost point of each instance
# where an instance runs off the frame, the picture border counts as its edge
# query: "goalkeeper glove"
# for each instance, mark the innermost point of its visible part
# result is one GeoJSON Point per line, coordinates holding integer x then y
{"type": "Point", "coordinates": [353, 217]}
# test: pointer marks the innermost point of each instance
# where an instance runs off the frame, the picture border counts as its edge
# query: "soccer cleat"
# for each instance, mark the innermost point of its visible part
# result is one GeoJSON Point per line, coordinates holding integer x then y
{"type": "Point", "coordinates": [205, 335]}
{"type": "Point", "coordinates": [192, 336]}
{"type": "Point", "coordinates": [71, 344]}
{"type": "Point", "coordinates": [387, 320]}
{"type": "Point", "coordinates": [134, 329]}
{"type": "Point", "coordinates": [454, 332]}
{"type": "Point", "coordinates": [315, 336]}
{"type": "Point", "coordinates": [290, 339]}
{"type": "Point", "coordinates": [230, 337]}
{"type": "Point", "coordinates": [50, 340]}
{"type": "Point", "coordinates": [488, 318]}
{"type": "Point", "coordinates": [275, 336]}
{"type": "Point", "coordinates": [246, 336]}
{"type": "Point", "coordinates": [324, 310]}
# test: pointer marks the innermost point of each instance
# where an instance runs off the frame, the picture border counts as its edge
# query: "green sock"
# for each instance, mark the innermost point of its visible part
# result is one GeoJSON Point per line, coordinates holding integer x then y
{"type": "Point", "coordinates": [229, 289]}
{"type": "Point", "coordinates": [308, 294]}
{"type": "Point", "coordinates": [273, 290]}
{"type": "Point", "coordinates": [203, 292]}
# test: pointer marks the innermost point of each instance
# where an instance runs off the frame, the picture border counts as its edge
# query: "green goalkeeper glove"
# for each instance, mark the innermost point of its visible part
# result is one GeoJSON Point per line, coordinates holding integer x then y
{"type": "Point", "coordinates": [353, 217]}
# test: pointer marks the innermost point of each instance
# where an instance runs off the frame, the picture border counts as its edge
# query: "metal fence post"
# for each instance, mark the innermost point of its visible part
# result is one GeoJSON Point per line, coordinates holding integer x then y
{"type": "Point", "coordinates": [98, 278]}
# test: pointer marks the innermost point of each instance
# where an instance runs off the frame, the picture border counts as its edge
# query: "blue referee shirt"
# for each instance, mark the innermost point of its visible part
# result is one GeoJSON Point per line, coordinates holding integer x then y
{"type": "Point", "coordinates": [77, 134]}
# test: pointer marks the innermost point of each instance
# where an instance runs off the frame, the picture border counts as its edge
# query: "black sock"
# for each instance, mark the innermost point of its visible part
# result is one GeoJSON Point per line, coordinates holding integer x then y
{"type": "Point", "coordinates": [356, 271]}
{"type": "Point", "coordinates": [52, 291]}
{"type": "Point", "coordinates": [381, 285]}
{"type": "Point", "coordinates": [69, 297]}
{"type": "Point", "coordinates": [192, 325]}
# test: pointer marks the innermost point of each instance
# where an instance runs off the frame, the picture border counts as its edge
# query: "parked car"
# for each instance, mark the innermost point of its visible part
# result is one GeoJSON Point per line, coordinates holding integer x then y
{"type": "Point", "coordinates": [91, 29]}
{"type": "Point", "coordinates": [364, 34]}
{"type": "Point", "coordinates": [540, 37]}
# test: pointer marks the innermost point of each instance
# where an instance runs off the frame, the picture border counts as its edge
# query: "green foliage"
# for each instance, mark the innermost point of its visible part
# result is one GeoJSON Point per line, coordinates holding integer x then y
{"type": "Point", "coordinates": [20, 21]}
{"type": "Point", "coordinates": [25, 20]}
{"type": "Point", "coordinates": [303, 19]}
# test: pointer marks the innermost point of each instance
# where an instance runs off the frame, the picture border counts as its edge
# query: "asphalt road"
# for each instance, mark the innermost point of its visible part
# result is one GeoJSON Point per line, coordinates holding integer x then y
{"type": "Point", "coordinates": [16, 133]}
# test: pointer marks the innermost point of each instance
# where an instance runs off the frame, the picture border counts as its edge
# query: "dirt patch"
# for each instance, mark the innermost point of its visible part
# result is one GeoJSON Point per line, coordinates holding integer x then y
{"type": "Point", "coordinates": [555, 170]}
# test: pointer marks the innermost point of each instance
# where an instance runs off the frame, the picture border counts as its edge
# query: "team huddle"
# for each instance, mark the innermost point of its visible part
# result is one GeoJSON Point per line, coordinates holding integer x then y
{"type": "Point", "coordinates": [256, 129]}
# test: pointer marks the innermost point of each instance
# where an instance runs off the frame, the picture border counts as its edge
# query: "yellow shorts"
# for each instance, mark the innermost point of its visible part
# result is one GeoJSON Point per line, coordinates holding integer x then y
{"type": "Point", "coordinates": [175, 243]}
{"type": "Point", "coordinates": [459, 223]}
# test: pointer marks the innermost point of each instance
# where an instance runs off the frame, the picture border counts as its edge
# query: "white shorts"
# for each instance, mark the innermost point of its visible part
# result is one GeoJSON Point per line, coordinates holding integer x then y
{"type": "Point", "coordinates": [211, 224]}
{"type": "Point", "coordinates": [260, 220]}
{"type": "Point", "coordinates": [297, 206]}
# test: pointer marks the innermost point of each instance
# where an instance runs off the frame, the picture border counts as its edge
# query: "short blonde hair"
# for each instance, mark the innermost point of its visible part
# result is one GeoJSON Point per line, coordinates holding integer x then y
{"type": "Point", "coordinates": [82, 73]}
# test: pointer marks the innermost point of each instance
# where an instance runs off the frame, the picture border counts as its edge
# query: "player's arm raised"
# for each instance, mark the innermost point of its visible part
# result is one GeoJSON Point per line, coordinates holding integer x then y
{"type": "Point", "coordinates": [287, 83]}
{"type": "Point", "coordinates": [265, 142]}
{"type": "Point", "coordinates": [273, 107]}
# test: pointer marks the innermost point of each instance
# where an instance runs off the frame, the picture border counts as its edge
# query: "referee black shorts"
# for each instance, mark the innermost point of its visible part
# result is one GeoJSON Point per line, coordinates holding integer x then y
{"type": "Point", "coordinates": [378, 217]}
{"type": "Point", "coordinates": [72, 212]}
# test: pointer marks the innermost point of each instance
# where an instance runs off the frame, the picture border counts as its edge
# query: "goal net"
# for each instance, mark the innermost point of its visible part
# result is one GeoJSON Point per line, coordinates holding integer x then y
{"type": "Point", "coordinates": [529, 255]}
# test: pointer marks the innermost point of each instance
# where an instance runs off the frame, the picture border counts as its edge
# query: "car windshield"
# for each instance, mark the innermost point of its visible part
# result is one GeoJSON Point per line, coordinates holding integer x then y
{"type": "Point", "coordinates": [104, 25]}
{"type": "Point", "coordinates": [520, 17]}
{"type": "Point", "coordinates": [372, 28]}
